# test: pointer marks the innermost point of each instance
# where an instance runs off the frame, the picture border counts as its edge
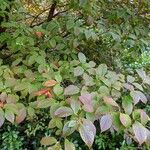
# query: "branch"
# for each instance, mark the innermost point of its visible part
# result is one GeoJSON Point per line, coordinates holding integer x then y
{"type": "Point", "coordinates": [51, 11]}
{"type": "Point", "coordinates": [38, 15]}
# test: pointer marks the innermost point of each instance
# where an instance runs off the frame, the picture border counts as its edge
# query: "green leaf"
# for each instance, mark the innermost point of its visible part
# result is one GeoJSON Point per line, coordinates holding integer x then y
{"type": "Point", "coordinates": [82, 57]}
{"type": "Point", "coordinates": [47, 140]}
{"type": "Point", "coordinates": [101, 70]}
{"type": "Point", "coordinates": [71, 90]}
{"type": "Point", "coordinates": [11, 107]}
{"type": "Point", "coordinates": [75, 105]}
{"type": "Point", "coordinates": [53, 42]}
{"type": "Point", "coordinates": [9, 116]}
{"type": "Point", "coordinates": [58, 77]}
{"type": "Point", "coordinates": [127, 105]}
{"type": "Point", "coordinates": [88, 80]}
{"type": "Point", "coordinates": [69, 145]}
{"type": "Point", "coordinates": [78, 71]}
{"type": "Point", "coordinates": [68, 128]}
{"type": "Point", "coordinates": [58, 90]}
{"type": "Point", "coordinates": [45, 103]}
{"type": "Point", "coordinates": [125, 119]}
{"type": "Point", "coordinates": [130, 79]}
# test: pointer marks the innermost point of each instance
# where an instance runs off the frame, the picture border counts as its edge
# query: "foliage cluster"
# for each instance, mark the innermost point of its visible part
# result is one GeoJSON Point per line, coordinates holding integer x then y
{"type": "Point", "coordinates": [52, 93]}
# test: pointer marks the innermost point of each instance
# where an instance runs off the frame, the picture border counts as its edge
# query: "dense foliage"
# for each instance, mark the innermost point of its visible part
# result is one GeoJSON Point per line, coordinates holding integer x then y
{"type": "Point", "coordinates": [72, 70]}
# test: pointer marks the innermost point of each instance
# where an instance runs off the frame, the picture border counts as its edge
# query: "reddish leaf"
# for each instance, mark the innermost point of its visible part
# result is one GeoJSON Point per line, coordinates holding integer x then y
{"type": "Point", "coordinates": [140, 132]}
{"type": "Point", "coordinates": [50, 83]}
{"type": "Point", "coordinates": [105, 122]}
{"type": "Point", "coordinates": [41, 92]}
{"type": "Point", "coordinates": [87, 132]}
{"type": "Point", "coordinates": [71, 90]}
{"type": "Point", "coordinates": [21, 115]}
{"type": "Point", "coordinates": [110, 101]}
{"type": "Point", "coordinates": [1, 104]}
{"type": "Point", "coordinates": [48, 94]}
{"type": "Point", "coordinates": [86, 99]}
{"type": "Point", "coordinates": [38, 34]}
{"type": "Point", "coordinates": [63, 111]}
{"type": "Point", "coordinates": [125, 120]}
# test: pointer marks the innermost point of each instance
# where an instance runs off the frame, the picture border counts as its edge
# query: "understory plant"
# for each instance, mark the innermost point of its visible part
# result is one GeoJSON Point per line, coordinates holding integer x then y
{"type": "Point", "coordinates": [78, 94]}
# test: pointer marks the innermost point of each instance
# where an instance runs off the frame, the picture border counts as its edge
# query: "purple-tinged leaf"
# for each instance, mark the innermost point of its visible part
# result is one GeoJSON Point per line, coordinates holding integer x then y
{"type": "Point", "coordinates": [140, 132]}
{"type": "Point", "coordinates": [125, 119]}
{"type": "Point", "coordinates": [71, 90]}
{"type": "Point", "coordinates": [110, 101]}
{"type": "Point", "coordinates": [87, 132]}
{"type": "Point", "coordinates": [128, 86]}
{"type": "Point", "coordinates": [144, 77]}
{"type": "Point", "coordinates": [105, 122]}
{"type": "Point", "coordinates": [86, 99]}
{"type": "Point", "coordinates": [63, 112]}
{"type": "Point", "coordinates": [137, 96]}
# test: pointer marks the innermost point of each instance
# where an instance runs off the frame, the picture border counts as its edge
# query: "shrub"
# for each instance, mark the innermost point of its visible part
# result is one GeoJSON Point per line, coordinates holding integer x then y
{"type": "Point", "coordinates": [78, 93]}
